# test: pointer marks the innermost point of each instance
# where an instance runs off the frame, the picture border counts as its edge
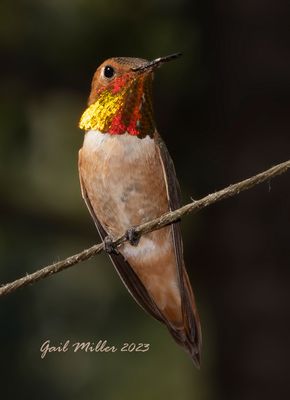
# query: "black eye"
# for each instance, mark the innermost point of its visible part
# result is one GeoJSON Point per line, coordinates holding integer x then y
{"type": "Point", "coordinates": [109, 72]}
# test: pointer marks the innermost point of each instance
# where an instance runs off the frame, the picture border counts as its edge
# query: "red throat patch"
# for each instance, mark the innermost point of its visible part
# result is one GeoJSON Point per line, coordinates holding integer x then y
{"type": "Point", "coordinates": [123, 106]}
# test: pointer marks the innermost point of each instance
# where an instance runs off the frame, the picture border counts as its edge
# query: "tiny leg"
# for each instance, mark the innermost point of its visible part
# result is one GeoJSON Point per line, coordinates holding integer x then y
{"type": "Point", "coordinates": [133, 236]}
{"type": "Point", "coordinates": [110, 248]}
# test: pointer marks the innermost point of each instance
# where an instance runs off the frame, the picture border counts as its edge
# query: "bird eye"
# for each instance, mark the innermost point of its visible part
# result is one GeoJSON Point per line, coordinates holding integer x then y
{"type": "Point", "coordinates": [109, 71]}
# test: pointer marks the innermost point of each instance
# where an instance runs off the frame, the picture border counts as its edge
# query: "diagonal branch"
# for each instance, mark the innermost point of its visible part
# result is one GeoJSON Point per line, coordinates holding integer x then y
{"type": "Point", "coordinates": [150, 226]}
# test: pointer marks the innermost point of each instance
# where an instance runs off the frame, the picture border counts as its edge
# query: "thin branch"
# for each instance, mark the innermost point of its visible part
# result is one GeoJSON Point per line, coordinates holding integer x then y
{"type": "Point", "coordinates": [150, 226]}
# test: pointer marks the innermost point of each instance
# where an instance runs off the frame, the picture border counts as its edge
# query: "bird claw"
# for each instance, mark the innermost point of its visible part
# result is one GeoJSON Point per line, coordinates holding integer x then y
{"type": "Point", "coordinates": [110, 247]}
{"type": "Point", "coordinates": [133, 236]}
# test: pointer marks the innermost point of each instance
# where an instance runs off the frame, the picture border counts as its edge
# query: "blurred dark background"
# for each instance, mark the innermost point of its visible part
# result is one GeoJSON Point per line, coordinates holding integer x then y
{"type": "Point", "coordinates": [223, 110]}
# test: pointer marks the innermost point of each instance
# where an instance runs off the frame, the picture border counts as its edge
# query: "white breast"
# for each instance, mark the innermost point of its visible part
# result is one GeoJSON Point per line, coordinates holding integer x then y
{"type": "Point", "coordinates": [132, 147]}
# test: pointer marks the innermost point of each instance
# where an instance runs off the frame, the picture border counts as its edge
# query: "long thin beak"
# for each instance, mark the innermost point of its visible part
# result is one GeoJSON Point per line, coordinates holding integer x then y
{"type": "Point", "coordinates": [156, 63]}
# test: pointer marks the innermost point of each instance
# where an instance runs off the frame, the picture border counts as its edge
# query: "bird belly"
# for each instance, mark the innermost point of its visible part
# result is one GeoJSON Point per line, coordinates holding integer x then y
{"type": "Point", "coordinates": [125, 184]}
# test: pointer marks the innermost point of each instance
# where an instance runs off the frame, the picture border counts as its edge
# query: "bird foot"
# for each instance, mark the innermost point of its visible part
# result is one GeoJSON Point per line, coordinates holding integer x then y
{"type": "Point", "coordinates": [110, 247]}
{"type": "Point", "coordinates": [133, 236]}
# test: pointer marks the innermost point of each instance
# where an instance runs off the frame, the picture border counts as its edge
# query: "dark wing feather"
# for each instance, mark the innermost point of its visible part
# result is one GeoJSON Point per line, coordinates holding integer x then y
{"type": "Point", "coordinates": [192, 341]}
{"type": "Point", "coordinates": [126, 273]}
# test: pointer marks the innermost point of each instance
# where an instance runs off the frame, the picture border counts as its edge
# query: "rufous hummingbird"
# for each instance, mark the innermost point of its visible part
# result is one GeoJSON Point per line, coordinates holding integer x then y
{"type": "Point", "coordinates": [127, 178]}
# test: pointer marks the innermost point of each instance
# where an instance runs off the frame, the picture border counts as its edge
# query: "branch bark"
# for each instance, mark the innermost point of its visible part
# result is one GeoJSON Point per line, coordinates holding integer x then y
{"type": "Point", "coordinates": [150, 226]}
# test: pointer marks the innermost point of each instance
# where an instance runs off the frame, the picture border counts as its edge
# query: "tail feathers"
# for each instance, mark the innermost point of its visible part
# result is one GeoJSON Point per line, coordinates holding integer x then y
{"type": "Point", "coordinates": [191, 344]}
{"type": "Point", "coordinates": [189, 334]}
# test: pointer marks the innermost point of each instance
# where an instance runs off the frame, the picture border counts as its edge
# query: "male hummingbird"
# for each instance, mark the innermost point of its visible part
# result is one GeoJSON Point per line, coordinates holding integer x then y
{"type": "Point", "coordinates": [127, 178]}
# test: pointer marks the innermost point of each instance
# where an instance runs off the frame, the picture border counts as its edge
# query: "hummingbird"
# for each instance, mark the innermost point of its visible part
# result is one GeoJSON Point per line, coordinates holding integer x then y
{"type": "Point", "coordinates": [127, 177]}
